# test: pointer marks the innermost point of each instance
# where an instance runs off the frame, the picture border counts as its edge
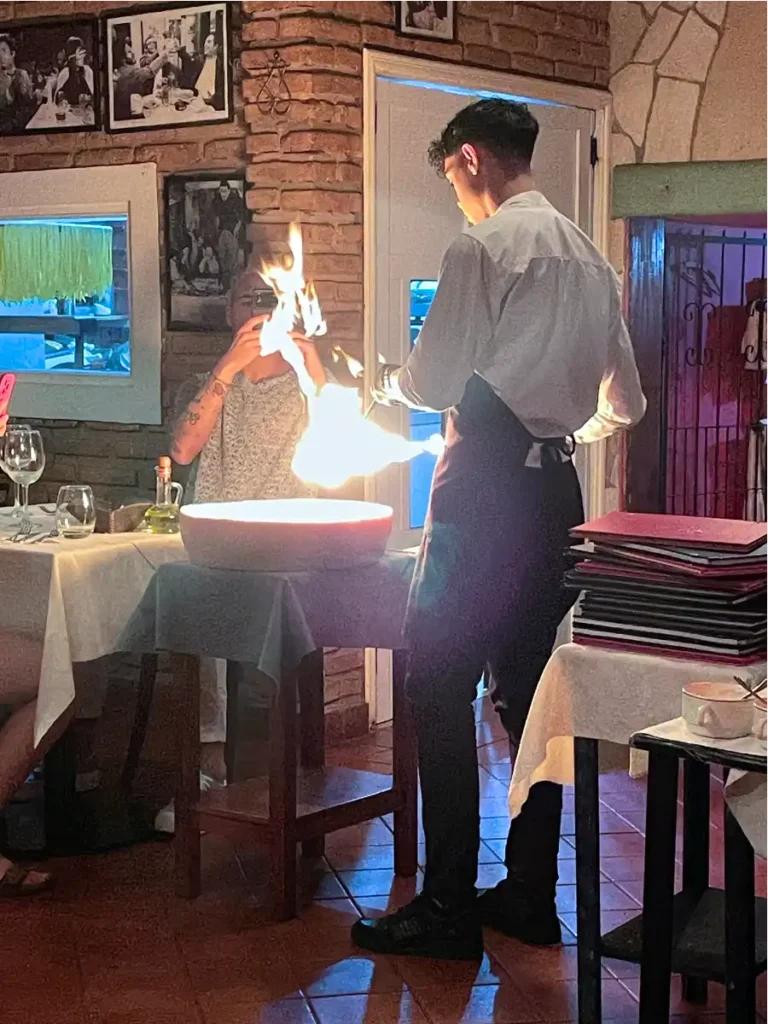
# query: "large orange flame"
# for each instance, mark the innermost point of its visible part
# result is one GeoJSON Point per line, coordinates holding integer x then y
{"type": "Point", "coordinates": [339, 442]}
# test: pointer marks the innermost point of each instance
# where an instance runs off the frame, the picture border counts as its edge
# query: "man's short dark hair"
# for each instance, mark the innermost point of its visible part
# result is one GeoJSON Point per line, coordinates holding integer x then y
{"type": "Point", "coordinates": [508, 130]}
{"type": "Point", "coordinates": [8, 40]}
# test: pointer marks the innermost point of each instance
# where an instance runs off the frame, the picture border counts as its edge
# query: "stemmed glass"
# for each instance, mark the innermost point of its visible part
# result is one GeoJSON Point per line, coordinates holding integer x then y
{"type": "Point", "coordinates": [24, 458]}
{"type": "Point", "coordinates": [16, 428]}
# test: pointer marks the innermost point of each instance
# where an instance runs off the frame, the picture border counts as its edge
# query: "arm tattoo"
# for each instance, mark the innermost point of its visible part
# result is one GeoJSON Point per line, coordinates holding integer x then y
{"type": "Point", "coordinates": [191, 417]}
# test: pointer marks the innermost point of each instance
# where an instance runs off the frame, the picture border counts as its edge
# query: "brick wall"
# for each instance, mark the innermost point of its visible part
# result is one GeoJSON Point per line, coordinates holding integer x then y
{"type": "Point", "coordinates": [307, 163]}
{"type": "Point", "coordinates": [304, 164]}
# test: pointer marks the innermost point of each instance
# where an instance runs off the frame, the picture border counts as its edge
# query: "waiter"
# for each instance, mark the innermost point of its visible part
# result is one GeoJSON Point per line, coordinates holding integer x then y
{"type": "Point", "coordinates": [526, 346]}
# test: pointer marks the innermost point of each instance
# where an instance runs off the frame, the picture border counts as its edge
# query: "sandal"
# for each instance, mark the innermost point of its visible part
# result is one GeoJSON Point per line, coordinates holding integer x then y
{"type": "Point", "coordinates": [15, 882]}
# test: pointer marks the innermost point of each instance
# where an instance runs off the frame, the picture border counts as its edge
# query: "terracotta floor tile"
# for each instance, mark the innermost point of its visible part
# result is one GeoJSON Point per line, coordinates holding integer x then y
{"type": "Point", "coordinates": [556, 1001]}
{"type": "Point", "coordinates": [494, 828]}
{"type": "Point", "coordinates": [231, 1008]}
{"type": "Point", "coordinates": [502, 1004]}
{"type": "Point", "coordinates": [354, 976]}
{"type": "Point", "coordinates": [380, 1008]}
{"type": "Point", "coordinates": [377, 883]}
{"type": "Point", "coordinates": [489, 875]}
{"type": "Point", "coordinates": [420, 973]}
{"type": "Point", "coordinates": [628, 844]}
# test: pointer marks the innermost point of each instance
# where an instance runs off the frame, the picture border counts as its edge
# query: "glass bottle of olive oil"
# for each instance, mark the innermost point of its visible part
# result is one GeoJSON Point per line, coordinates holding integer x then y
{"type": "Point", "coordinates": [163, 516]}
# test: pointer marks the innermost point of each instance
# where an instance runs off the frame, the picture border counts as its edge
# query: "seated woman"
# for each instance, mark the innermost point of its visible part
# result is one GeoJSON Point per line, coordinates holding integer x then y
{"type": "Point", "coordinates": [19, 678]}
{"type": "Point", "coordinates": [240, 425]}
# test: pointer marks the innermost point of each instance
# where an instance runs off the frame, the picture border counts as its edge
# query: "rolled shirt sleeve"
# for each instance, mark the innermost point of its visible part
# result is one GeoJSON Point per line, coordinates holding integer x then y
{"type": "Point", "coordinates": [459, 320]}
{"type": "Point", "coordinates": [620, 401]}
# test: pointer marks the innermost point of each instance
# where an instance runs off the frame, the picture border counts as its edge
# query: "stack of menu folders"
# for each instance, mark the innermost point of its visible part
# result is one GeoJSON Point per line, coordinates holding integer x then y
{"type": "Point", "coordinates": [673, 586]}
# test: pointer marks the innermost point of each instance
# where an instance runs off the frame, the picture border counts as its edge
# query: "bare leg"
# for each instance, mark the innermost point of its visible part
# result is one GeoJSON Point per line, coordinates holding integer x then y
{"type": "Point", "coordinates": [18, 755]}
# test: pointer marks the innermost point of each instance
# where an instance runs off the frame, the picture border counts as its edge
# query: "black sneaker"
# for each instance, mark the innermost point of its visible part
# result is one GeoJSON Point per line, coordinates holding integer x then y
{"type": "Point", "coordinates": [423, 928]}
{"type": "Point", "coordinates": [509, 912]}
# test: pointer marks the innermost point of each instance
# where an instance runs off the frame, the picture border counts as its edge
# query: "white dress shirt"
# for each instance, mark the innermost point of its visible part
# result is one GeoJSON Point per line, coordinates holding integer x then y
{"type": "Point", "coordinates": [526, 301]}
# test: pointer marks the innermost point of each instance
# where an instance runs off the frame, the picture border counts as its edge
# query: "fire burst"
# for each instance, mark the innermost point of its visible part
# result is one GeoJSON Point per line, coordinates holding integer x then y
{"type": "Point", "coordinates": [339, 442]}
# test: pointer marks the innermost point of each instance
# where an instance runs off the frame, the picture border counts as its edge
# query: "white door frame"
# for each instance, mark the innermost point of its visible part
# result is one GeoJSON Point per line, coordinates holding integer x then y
{"type": "Point", "coordinates": [378, 64]}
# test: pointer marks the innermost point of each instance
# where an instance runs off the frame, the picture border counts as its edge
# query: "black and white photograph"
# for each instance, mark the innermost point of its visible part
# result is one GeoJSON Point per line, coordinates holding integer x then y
{"type": "Point", "coordinates": [206, 247]}
{"type": "Point", "coordinates": [427, 20]}
{"type": "Point", "coordinates": [168, 67]}
{"type": "Point", "coordinates": [49, 80]}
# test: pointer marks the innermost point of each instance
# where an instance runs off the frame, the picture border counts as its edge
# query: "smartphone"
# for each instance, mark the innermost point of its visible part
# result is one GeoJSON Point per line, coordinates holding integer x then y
{"type": "Point", "coordinates": [7, 384]}
{"type": "Point", "coordinates": [263, 300]}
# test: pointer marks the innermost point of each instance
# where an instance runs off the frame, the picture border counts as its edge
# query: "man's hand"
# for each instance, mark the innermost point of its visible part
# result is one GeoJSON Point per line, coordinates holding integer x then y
{"type": "Point", "coordinates": [312, 361]}
{"type": "Point", "coordinates": [244, 349]}
{"type": "Point", "coordinates": [381, 391]}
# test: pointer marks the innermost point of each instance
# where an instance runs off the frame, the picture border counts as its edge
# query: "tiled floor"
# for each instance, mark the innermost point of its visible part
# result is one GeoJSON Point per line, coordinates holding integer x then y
{"type": "Point", "coordinates": [113, 945]}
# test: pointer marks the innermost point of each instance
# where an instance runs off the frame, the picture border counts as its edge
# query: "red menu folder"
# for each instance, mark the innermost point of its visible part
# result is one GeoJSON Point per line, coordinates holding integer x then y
{"type": "Point", "coordinates": [674, 531]}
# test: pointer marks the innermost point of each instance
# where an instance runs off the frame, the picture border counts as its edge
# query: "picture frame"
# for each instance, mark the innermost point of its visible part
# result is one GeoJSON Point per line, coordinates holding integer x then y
{"type": "Point", "coordinates": [168, 66]}
{"type": "Point", "coordinates": [206, 246]}
{"type": "Point", "coordinates": [427, 20]}
{"type": "Point", "coordinates": [55, 82]}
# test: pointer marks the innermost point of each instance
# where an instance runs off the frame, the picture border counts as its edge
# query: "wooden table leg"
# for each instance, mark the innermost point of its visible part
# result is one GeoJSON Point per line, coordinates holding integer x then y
{"type": "Point", "coordinates": [185, 672]}
{"type": "Point", "coordinates": [658, 887]}
{"type": "Point", "coordinates": [311, 681]}
{"type": "Point", "coordinates": [144, 695]}
{"type": "Point", "coordinates": [739, 924]}
{"type": "Point", "coordinates": [588, 938]}
{"type": "Point", "coordinates": [404, 771]}
{"type": "Point", "coordinates": [60, 797]}
{"type": "Point", "coordinates": [695, 851]}
{"type": "Point", "coordinates": [282, 799]}
{"type": "Point", "coordinates": [234, 674]}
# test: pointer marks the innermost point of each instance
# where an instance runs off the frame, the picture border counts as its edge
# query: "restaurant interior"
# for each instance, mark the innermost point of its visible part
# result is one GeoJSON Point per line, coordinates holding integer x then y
{"type": "Point", "coordinates": [208, 747]}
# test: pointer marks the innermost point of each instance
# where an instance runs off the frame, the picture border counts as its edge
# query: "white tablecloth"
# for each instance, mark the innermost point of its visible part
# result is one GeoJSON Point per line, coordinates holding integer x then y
{"type": "Point", "coordinates": [603, 695]}
{"type": "Point", "coordinates": [69, 601]}
{"type": "Point", "coordinates": [272, 619]}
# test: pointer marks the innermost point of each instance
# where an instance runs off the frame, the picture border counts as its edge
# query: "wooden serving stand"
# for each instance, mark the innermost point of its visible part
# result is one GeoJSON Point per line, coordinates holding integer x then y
{"type": "Point", "coordinates": [301, 800]}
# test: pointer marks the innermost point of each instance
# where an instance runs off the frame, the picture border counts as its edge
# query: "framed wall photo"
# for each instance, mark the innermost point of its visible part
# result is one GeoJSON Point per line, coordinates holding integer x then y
{"type": "Point", "coordinates": [427, 20]}
{"type": "Point", "coordinates": [49, 79]}
{"type": "Point", "coordinates": [205, 245]}
{"type": "Point", "coordinates": [169, 67]}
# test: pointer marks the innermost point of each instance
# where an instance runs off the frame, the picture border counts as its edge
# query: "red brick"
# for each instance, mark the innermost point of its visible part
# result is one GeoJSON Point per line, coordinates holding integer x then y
{"type": "Point", "coordinates": [335, 143]}
{"type": "Point", "coordinates": [472, 30]}
{"type": "Point", "coordinates": [602, 76]}
{"type": "Point", "coordinates": [99, 157]}
{"type": "Point", "coordinates": [331, 86]}
{"type": "Point", "coordinates": [313, 27]}
{"type": "Point", "coordinates": [174, 157]}
{"type": "Point", "coordinates": [41, 10]}
{"type": "Point", "coordinates": [257, 31]}
{"type": "Point", "coordinates": [446, 51]}
{"type": "Point", "coordinates": [309, 55]}
{"type": "Point", "coordinates": [531, 65]}
{"type": "Point", "coordinates": [262, 198]}
{"type": "Point", "coordinates": [344, 325]}
{"type": "Point", "coordinates": [378, 35]}
{"type": "Point", "coordinates": [576, 28]}
{"type": "Point", "coordinates": [6, 163]}
{"type": "Point", "coordinates": [515, 40]}
{"type": "Point", "coordinates": [42, 161]}
{"type": "Point", "coordinates": [321, 201]}
{"type": "Point", "coordinates": [266, 143]}
{"type": "Point", "coordinates": [346, 58]}
{"type": "Point", "coordinates": [334, 267]}
{"type": "Point", "coordinates": [574, 72]}
{"type": "Point", "coordinates": [62, 142]}
{"type": "Point", "coordinates": [370, 11]}
{"type": "Point", "coordinates": [225, 151]}
{"type": "Point", "coordinates": [277, 172]}
{"type": "Point", "coordinates": [595, 54]}
{"type": "Point", "coordinates": [487, 56]}
{"type": "Point", "coordinates": [555, 48]}
{"type": "Point", "coordinates": [528, 16]}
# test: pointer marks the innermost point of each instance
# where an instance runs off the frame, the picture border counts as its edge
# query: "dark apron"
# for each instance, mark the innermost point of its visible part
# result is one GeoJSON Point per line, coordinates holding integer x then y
{"type": "Point", "coordinates": [488, 579]}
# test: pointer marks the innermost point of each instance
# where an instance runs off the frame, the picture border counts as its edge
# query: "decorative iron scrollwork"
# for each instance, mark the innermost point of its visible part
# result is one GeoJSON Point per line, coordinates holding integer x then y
{"type": "Point", "coordinates": [699, 354]}
{"type": "Point", "coordinates": [274, 96]}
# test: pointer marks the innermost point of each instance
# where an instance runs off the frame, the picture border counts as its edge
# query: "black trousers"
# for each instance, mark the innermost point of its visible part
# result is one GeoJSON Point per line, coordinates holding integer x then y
{"type": "Point", "coordinates": [487, 592]}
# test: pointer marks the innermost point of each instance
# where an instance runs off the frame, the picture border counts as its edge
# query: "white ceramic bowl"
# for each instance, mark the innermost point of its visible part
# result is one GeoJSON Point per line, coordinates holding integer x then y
{"type": "Point", "coordinates": [286, 535]}
{"type": "Point", "coordinates": [717, 710]}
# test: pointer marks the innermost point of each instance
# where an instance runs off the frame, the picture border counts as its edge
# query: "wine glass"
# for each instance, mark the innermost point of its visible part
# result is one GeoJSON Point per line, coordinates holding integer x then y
{"type": "Point", "coordinates": [75, 511]}
{"type": "Point", "coordinates": [24, 459]}
{"type": "Point", "coordinates": [16, 427]}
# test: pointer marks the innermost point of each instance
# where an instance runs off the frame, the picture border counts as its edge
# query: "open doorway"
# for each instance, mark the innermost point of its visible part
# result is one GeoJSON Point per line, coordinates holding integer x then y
{"type": "Point", "coordinates": [411, 218]}
{"type": "Point", "coordinates": [697, 292]}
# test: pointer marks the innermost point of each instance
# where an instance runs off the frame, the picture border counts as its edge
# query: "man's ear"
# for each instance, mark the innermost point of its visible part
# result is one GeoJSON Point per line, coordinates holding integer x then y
{"type": "Point", "coordinates": [469, 153]}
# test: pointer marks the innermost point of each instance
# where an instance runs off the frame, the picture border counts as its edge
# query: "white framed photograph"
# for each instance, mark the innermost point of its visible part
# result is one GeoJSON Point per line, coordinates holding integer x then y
{"type": "Point", "coordinates": [168, 67]}
{"type": "Point", "coordinates": [427, 20]}
{"type": "Point", "coordinates": [49, 80]}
